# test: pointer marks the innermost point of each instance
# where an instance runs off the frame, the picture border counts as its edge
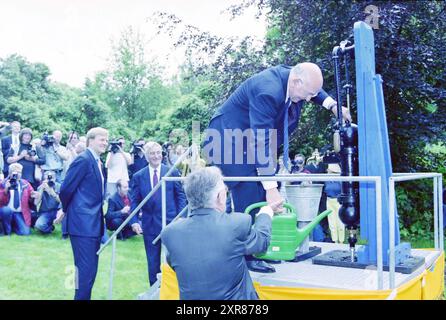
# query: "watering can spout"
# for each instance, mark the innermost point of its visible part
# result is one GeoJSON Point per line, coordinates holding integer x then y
{"type": "Point", "coordinates": [304, 232]}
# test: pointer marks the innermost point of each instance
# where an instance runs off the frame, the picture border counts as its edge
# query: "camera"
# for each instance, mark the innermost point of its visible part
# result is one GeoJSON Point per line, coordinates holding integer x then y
{"type": "Point", "coordinates": [165, 149]}
{"type": "Point", "coordinates": [13, 181]}
{"type": "Point", "coordinates": [31, 151]}
{"type": "Point", "coordinates": [49, 140]}
{"type": "Point", "coordinates": [114, 146]}
{"type": "Point", "coordinates": [51, 182]}
{"type": "Point", "coordinates": [136, 147]}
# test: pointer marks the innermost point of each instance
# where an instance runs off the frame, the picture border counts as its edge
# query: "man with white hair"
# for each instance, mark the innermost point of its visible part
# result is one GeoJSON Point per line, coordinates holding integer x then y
{"type": "Point", "coordinates": [141, 184]}
{"type": "Point", "coordinates": [207, 249]}
{"type": "Point", "coordinates": [266, 108]}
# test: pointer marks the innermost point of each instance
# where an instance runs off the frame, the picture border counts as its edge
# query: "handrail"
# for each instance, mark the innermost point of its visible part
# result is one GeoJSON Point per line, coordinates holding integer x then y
{"type": "Point", "coordinates": [143, 202]}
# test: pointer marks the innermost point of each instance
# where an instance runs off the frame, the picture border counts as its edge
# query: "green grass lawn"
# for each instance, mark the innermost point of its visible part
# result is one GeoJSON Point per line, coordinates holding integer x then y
{"type": "Point", "coordinates": [39, 267]}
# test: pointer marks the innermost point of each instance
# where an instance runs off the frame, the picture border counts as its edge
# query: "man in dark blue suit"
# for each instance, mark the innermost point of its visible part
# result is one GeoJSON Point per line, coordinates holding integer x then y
{"type": "Point", "coordinates": [264, 110]}
{"type": "Point", "coordinates": [82, 195]}
{"type": "Point", "coordinates": [142, 183]}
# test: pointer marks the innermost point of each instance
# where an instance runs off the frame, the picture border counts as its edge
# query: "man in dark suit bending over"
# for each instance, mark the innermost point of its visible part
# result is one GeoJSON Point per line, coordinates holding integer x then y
{"type": "Point", "coordinates": [266, 109]}
{"type": "Point", "coordinates": [82, 196]}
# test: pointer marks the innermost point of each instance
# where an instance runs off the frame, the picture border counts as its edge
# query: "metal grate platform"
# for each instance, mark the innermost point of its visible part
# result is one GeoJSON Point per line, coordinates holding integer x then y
{"type": "Point", "coordinates": [304, 274]}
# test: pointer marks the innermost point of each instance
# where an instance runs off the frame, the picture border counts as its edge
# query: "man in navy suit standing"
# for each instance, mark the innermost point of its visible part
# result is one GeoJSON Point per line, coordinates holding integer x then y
{"type": "Point", "coordinates": [82, 195]}
{"type": "Point", "coordinates": [264, 110]}
{"type": "Point", "coordinates": [142, 183]}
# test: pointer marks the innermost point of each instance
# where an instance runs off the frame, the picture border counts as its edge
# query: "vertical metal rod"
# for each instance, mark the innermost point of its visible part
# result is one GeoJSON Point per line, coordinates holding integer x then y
{"type": "Point", "coordinates": [436, 240]}
{"type": "Point", "coordinates": [112, 270]}
{"type": "Point", "coordinates": [440, 206]}
{"type": "Point", "coordinates": [164, 215]}
{"type": "Point", "coordinates": [391, 233]}
{"type": "Point", "coordinates": [379, 233]}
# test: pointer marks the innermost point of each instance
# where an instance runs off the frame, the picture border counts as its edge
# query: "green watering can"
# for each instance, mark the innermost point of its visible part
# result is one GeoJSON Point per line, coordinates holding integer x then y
{"type": "Point", "coordinates": [285, 236]}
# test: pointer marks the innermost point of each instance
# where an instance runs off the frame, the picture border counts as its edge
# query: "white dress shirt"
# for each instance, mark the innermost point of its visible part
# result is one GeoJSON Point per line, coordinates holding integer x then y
{"type": "Point", "coordinates": [152, 172]}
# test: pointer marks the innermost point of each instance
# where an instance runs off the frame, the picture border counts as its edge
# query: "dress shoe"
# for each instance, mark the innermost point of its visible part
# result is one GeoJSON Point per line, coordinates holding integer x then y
{"type": "Point", "coordinates": [275, 261]}
{"type": "Point", "coordinates": [260, 266]}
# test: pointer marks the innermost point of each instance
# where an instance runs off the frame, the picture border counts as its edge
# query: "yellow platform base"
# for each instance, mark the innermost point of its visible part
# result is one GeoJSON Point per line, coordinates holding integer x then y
{"type": "Point", "coordinates": [429, 285]}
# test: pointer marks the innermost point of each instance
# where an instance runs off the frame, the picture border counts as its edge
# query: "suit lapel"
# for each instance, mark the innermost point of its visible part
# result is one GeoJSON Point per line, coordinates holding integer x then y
{"type": "Point", "coordinates": [148, 185]}
{"type": "Point", "coordinates": [163, 171]}
{"type": "Point", "coordinates": [96, 171]}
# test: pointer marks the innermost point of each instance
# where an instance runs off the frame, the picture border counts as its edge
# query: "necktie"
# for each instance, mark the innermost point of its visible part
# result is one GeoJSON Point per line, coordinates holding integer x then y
{"type": "Point", "coordinates": [155, 179]}
{"type": "Point", "coordinates": [285, 135]}
{"type": "Point", "coordinates": [102, 176]}
{"type": "Point", "coordinates": [16, 199]}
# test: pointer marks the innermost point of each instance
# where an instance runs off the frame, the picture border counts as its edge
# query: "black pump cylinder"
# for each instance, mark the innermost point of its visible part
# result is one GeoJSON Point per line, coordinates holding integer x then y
{"type": "Point", "coordinates": [349, 198]}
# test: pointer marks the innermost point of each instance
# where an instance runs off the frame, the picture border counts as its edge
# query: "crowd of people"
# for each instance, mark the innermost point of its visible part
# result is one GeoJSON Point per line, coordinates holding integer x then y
{"type": "Point", "coordinates": [32, 170]}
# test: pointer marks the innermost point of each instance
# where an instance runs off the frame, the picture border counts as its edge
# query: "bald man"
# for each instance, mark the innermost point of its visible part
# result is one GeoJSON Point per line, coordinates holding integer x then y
{"type": "Point", "coordinates": [246, 131]}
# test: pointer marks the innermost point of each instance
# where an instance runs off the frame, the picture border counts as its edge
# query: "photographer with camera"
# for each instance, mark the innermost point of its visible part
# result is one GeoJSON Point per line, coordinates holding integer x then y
{"type": "Point", "coordinates": [116, 163]}
{"type": "Point", "coordinates": [55, 154]}
{"type": "Point", "coordinates": [48, 203]}
{"type": "Point", "coordinates": [12, 141]}
{"type": "Point", "coordinates": [138, 159]}
{"type": "Point", "coordinates": [16, 197]}
{"type": "Point", "coordinates": [168, 154]}
{"type": "Point", "coordinates": [27, 155]}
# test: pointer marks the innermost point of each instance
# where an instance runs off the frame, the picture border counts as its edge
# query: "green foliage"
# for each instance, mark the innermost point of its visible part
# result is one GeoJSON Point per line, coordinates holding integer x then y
{"type": "Point", "coordinates": [415, 209]}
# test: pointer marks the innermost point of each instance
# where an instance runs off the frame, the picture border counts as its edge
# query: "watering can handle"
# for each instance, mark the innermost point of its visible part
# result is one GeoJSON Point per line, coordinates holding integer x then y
{"type": "Point", "coordinates": [264, 203]}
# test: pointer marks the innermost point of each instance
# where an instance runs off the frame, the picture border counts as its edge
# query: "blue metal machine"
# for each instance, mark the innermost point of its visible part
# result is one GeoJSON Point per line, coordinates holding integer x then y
{"type": "Point", "coordinates": [364, 150]}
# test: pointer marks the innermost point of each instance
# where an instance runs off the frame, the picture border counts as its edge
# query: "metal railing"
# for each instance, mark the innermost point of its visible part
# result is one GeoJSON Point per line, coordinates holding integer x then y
{"type": "Point", "coordinates": [438, 218]}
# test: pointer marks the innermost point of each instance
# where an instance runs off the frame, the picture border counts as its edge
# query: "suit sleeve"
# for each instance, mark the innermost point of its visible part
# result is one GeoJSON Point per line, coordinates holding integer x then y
{"type": "Point", "coordinates": [135, 198]}
{"type": "Point", "coordinates": [113, 211]}
{"type": "Point", "coordinates": [180, 196]}
{"type": "Point", "coordinates": [75, 174]}
{"type": "Point", "coordinates": [320, 98]}
{"type": "Point", "coordinates": [262, 115]}
{"type": "Point", "coordinates": [256, 238]}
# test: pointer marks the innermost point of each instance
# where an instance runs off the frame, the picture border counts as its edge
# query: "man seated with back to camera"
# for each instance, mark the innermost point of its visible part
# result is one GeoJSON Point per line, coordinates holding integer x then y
{"type": "Point", "coordinates": [16, 197]}
{"type": "Point", "coordinates": [207, 249]}
{"type": "Point", "coordinates": [119, 210]}
{"type": "Point", "coordinates": [47, 203]}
